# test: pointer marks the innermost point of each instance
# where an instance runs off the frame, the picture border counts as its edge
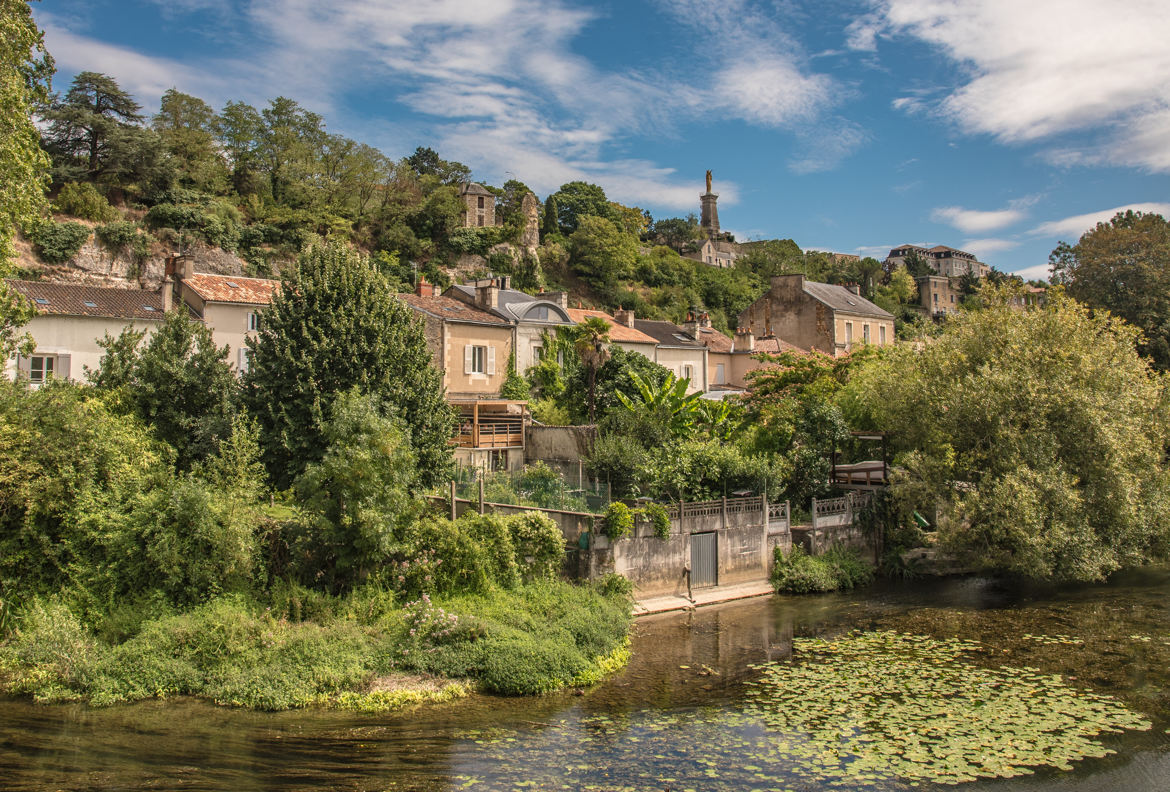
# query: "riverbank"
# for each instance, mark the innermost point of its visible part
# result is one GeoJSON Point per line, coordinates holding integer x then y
{"type": "Point", "coordinates": [366, 651]}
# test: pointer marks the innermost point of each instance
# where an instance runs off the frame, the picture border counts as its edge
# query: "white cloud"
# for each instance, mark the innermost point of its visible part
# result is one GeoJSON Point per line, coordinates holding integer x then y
{"type": "Point", "coordinates": [1046, 67]}
{"type": "Point", "coordinates": [983, 248]}
{"type": "Point", "coordinates": [974, 221]}
{"type": "Point", "coordinates": [1078, 224]}
{"type": "Point", "coordinates": [1035, 272]}
{"type": "Point", "coordinates": [826, 146]}
{"type": "Point", "coordinates": [861, 34]}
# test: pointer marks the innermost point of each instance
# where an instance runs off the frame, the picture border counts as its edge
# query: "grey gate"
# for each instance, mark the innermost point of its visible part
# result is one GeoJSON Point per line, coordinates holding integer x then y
{"type": "Point", "coordinates": [704, 560]}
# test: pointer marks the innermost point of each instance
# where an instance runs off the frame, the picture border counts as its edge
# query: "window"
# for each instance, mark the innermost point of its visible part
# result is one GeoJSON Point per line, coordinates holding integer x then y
{"type": "Point", "coordinates": [952, 299]}
{"type": "Point", "coordinates": [882, 334]}
{"type": "Point", "coordinates": [538, 353]}
{"type": "Point", "coordinates": [480, 221]}
{"type": "Point", "coordinates": [688, 372]}
{"type": "Point", "coordinates": [243, 363]}
{"type": "Point", "coordinates": [936, 298]}
{"type": "Point", "coordinates": [253, 321]}
{"type": "Point", "coordinates": [720, 376]}
{"type": "Point", "coordinates": [865, 333]}
{"type": "Point", "coordinates": [41, 368]}
{"type": "Point", "coordinates": [848, 334]}
{"type": "Point", "coordinates": [481, 202]}
{"type": "Point", "coordinates": [478, 360]}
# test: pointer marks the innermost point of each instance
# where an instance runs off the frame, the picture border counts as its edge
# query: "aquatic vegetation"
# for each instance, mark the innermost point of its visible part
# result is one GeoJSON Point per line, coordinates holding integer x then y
{"type": "Point", "coordinates": [1052, 640]}
{"type": "Point", "coordinates": [864, 710]}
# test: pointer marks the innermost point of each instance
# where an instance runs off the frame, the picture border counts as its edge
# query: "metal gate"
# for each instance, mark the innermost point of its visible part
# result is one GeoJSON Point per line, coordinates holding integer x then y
{"type": "Point", "coordinates": [704, 560]}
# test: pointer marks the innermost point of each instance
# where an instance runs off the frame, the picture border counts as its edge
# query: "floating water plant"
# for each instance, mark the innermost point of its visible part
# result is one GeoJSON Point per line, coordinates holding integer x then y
{"type": "Point", "coordinates": [1052, 640]}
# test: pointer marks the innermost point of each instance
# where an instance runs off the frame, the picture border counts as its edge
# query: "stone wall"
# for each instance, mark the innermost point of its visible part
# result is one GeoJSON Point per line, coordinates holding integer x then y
{"type": "Point", "coordinates": [562, 448]}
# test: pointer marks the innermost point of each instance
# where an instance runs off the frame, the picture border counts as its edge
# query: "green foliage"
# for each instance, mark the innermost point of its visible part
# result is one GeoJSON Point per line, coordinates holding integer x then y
{"type": "Point", "coordinates": [1122, 266]}
{"type": "Point", "coordinates": [613, 378]}
{"type": "Point", "coordinates": [601, 254]}
{"type": "Point", "coordinates": [668, 401]}
{"type": "Point", "coordinates": [539, 545]}
{"type": "Point", "coordinates": [1044, 454]}
{"type": "Point", "coordinates": [658, 517]}
{"type": "Point", "coordinates": [515, 386]}
{"type": "Point", "coordinates": [125, 235]}
{"type": "Point", "coordinates": [550, 413]}
{"type": "Point", "coordinates": [179, 384]}
{"type": "Point", "coordinates": [215, 222]}
{"type": "Point", "coordinates": [83, 200]}
{"type": "Point", "coordinates": [336, 325]}
{"type": "Point", "coordinates": [575, 201]}
{"type": "Point", "coordinates": [619, 520]}
{"type": "Point", "coordinates": [357, 500]}
{"type": "Point", "coordinates": [56, 243]}
{"type": "Point", "coordinates": [836, 569]}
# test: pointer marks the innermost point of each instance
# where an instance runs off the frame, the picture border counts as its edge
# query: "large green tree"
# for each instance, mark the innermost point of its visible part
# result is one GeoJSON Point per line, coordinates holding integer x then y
{"type": "Point", "coordinates": [188, 128]}
{"type": "Point", "coordinates": [1123, 266]}
{"type": "Point", "coordinates": [1038, 437]}
{"type": "Point", "coordinates": [25, 71]}
{"type": "Point", "coordinates": [579, 199]}
{"type": "Point", "coordinates": [89, 128]}
{"type": "Point", "coordinates": [179, 383]}
{"type": "Point", "coordinates": [337, 325]}
{"type": "Point", "coordinates": [601, 254]}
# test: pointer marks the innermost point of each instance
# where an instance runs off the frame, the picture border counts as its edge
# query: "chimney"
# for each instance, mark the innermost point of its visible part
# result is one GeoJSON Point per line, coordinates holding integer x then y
{"type": "Point", "coordinates": [167, 291]}
{"type": "Point", "coordinates": [424, 289]}
{"type": "Point", "coordinates": [691, 325]}
{"type": "Point", "coordinates": [179, 266]}
{"type": "Point", "coordinates": [487, 296]}
{"type": "Point", "coordinates": [559, 297]}
{"type": "Point", "coordinates": [853, 287]}
{"type": "Point", "coordinates": [505, 281]}
{"type": "Point", "coordinates": [704, 320]}
{"type": "Point", "coordinates": [745, 340]}
{"type": "Point", "coordinates": [624, 317]}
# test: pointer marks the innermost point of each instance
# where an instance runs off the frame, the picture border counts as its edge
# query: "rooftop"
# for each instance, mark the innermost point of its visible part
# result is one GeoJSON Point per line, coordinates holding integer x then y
{"type": "Point", "coordinates": [841, 299]}
{"type": "Point", "coordinates": [617, 331]}
{"type": "Point", "coordinates": [450, 309]}
{"type": "Point", "coordinates": [71, 299]}
{"type": "Point", "coordinates": [473, 188]}
{"type": "Point", "coordinates": [232, 288]}
{"type": "Point", "coordinates": [517, 305]}
{"type": "Point", "coordinates": [667, 334]}
{"type": "Point", "coordinates": [714, 340]}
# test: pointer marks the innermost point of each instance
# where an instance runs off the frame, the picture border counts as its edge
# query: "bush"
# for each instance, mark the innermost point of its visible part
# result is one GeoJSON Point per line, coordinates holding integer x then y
{"type": "Point", "coordinates": [83, 200]}
{"type": "Point", "coordinates": [125, 235]}
{"type": "Point", "coordinates": [619, 520]}
{"type": "Point", "coordinates": [539, 545]}
{"type": "Point", "coordinates": [659, 519]}
{"type": "Point", "coordinates": [56, 243]}
{"type": "Point", "coordinates": [837, 569]}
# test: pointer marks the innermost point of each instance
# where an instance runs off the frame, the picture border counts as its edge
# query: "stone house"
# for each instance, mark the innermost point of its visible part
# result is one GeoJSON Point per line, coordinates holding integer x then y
{"type": "Point", "coordinates": [946, 261]}
{"type": "Point", "coordinates": [716, 253]}
{"type": "Point", "coordinates": [622, 332]}
{"type": "Point", "coordinates": [530, 316]}
{"type": "Point", "coordinates": [729, 360]}
{"type": "Point", "coordinates": [810, 315]}
{"type": "Point", "coordinates": [677, 350]}
{"type": "Point", "coordinates": [228, 304]}
{"type": "Point", "coordinates": [938, 295]}
{"type": "Point", "coordinates": [70, 321]}
{"type": "Point", "coordinates": [479, 205]}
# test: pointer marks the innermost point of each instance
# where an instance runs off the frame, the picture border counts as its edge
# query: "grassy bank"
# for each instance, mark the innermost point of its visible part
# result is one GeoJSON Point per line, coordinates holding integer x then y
{"type": "Point", "coordinates": [368, 650]}
{"type": "Point", "coordinates": [836, 569]}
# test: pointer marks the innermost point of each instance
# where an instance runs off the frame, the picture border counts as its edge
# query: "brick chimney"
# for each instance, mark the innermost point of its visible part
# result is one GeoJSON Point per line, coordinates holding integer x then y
{"type": "Point", "coordinates": [487, 295]}
{"type": "Point", "coordinates": [624, 317]}
{"type": "Point", "coordinates": [167, 292]}
{"type": "Point", "coordinates": [697, 319]}
{"type": "Point", "coordinates": [745, 340]}
{"type": "Point", "coordinates": [424, 289]}
{"type": "Point", "coordinates": [561, 298]}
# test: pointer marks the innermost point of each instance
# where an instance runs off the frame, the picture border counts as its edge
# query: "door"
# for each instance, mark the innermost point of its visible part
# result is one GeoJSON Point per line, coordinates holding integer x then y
{"type": "Point", "coordinates": [704, 560]}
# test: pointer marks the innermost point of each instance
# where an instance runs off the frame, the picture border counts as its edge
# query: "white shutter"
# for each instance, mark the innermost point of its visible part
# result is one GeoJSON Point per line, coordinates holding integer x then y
{"type": "Point", "coordinates": [243, 364]}
{"type": "Point", "coordinates": [23, 366]}
{"type": "Point", "coordinates": [491, 360]}
{"type": "Point", "coordinates": [62, 371]}
{"type": "Point", "coordinates": [468, 353]}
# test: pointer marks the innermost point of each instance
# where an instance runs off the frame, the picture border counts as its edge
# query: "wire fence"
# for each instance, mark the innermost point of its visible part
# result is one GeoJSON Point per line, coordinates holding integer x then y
{"type": "Point", "coordinates": [536, 485]}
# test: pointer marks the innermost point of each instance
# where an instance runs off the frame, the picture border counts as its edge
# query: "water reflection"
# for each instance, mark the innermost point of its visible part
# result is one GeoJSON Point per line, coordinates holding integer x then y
{"type": "Point", "coordinates": [689, 665]}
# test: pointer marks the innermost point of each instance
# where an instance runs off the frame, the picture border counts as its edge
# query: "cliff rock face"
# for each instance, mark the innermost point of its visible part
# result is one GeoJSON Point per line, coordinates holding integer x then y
{"type": "Point", "coordinates": [530, 236]}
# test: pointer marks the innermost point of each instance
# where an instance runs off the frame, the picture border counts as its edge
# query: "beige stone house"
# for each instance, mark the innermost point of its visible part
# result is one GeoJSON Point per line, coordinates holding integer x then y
{"type": "Point", "coordinates": [810, 315]}
{"type": "Point", "coordinates": [677, 351]}
{"type": "Point", "coordinates": [479, 205]}
{"type": "Point", "coordinates": [938, 295]}
{"type": "Point", "coordinates": [70, 321]}
{"type": "Point", "coordinates": [530, 316]}
{"type": "Point", "coordinates": [716, 253]}
{"type": "Point", "coordinates": [946, 261]}
{"type": "Point", "coordinates": [729, 360]}
{"type": "Point", "coordinates": [230, 305]}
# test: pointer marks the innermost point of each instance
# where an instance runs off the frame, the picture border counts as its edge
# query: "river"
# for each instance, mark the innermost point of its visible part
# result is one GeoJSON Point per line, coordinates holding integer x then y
{"type": "Point", "coordinates": [673, 719]}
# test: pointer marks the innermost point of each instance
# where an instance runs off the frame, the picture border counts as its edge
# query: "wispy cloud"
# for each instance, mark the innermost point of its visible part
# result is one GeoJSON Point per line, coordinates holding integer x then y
{"type": "Point", "coordinates": [1078, 224]}
{"type": "Point", "coordinates": [989, 246]}
{"type": "Point", "coordinates": [1048, 67]}
{"type": "Point", "coordinates": [1039, 272]}
{"type": "Point", "coordinates": [976, 221]}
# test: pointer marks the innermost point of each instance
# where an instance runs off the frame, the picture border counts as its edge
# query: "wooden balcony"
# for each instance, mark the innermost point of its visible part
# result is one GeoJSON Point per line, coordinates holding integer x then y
{"type": "Point", "coordinates": [496, 423]}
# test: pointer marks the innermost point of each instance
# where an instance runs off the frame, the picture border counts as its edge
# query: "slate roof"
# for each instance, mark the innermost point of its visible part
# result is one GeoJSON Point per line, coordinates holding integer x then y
{"type": "Point", "coordinates": [715, 341]}
{"type": "Point", "coordinates": [841, 299]}
{"type": "Point", "coordinates": [667, 334]}
{"type": "Point", "coordinates": [472, 188]}
{"type": "Point", "coordinates": [451, 310]}
{"type": "Point", "coordinates": [70, 299]}
{"type": "Point", "coordinates": [232, 288]}
{"type": "Point", "coordinates": [513, 304]}
{"type": "Point", "coordinates": [617, 331]}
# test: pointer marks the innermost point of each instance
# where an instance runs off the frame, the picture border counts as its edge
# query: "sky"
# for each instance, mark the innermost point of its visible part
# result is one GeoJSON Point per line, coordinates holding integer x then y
{"type": "Point", "coordinates": [1000, 127]}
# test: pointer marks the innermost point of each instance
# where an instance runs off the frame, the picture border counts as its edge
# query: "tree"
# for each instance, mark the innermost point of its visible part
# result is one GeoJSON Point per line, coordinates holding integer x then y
{"type": "Point", "coordinates": [240, 128]}
{"type": "Point", "coordinates": [591, 338]}
{"type": "Point", "coordinates": [290, 137]}
{"type": "Point", "coordinates": [1037, 436]}
{"type": "Point", "coordinates": [337, 325]}
{"type": "Point", "coordinates": [179, 384]}
{"type": "Point", "coordinates": [1123, 266]}
{"type": "Point", "coordinates": [425, 161]}
{"type": "Point", "coordinates": [576, 200]}
{"type": "Point", "coordinates": [86, 128]}
{"type": "Point", "coordinates": [667, 401]}
{"type": "Point", "coordinates": [549, 224]}
{"type": "Point", "coordinates": [601, 254]}
{"type": "Point", "coordinates": [188, 128]}
{"type": "Point", "coordinates": [676, 232]}
{"type": "Point", "coordinates": [615, 377]}
{"type": "Point", "coordinates": [25, 72]}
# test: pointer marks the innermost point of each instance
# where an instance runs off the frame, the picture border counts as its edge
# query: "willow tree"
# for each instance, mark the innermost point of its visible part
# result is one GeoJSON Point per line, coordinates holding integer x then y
{"type": "Point", "coordinates": [335, 326]}
{"type": "Point", "coordinates": [1036, 437]}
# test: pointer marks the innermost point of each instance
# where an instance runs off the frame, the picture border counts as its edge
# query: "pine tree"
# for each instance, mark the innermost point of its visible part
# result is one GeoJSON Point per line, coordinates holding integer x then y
{"type": "Point", "coordinates": [336, 325]}
{"type": "Point", "coordinates": [550, 224]}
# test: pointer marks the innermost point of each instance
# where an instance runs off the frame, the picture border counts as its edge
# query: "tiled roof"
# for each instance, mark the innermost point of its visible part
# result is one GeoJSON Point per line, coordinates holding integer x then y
{"type": "Point", "coordinates": [232, 289]}
{"type": "Point", "coordinates": [714, 340]}
{"type": "Point", "coordinates": [514, 305]}
{"type": "Point", "coordinates": [472, 188]}
{"type": "Point", "coordinates": [841, 299]}
{"type": "Point", "coordinates": [71, 299]}
{"type": "Point", "coordinates": [617, 331]}
{"type": "Point", "coordinates": [774, 346]}
{"type": "Point", "coordinates": [450, 309]}
{"type": "Point", "coordinates": [667, 333]}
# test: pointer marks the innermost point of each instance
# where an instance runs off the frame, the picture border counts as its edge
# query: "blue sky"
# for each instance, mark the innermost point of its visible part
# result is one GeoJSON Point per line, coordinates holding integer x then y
{"type": "Point", "coordinates": [996, 126]}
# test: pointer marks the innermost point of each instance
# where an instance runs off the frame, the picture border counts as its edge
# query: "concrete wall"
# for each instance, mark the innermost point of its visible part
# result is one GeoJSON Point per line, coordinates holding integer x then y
{"type": "Point", "coordinates": [76, 336]}
{"type": "Point", "coordinates": [559, 447]}
{"type": "Point", "coordinates": [860, 325]}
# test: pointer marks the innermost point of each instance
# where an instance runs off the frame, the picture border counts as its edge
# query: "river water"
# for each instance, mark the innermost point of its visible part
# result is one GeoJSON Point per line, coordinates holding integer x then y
{"type": "Point", "coordinates": [670, 721]}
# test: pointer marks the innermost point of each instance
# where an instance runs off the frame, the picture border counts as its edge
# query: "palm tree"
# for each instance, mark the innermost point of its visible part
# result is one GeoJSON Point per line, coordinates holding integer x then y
{"type": "Point", "coordinates": [591, 336]}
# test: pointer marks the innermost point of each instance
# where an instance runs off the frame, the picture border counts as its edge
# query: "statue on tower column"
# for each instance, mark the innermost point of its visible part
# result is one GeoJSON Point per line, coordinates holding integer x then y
{"type": "Point", "coordinates": [708, 181]}
{"type": "Point", "coordinates": [708, 212]}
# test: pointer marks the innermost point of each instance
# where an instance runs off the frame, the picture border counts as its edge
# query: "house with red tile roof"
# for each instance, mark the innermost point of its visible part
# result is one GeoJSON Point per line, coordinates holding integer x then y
{"type": "Point", "coordinates": [231, 305]}
{"type": "Point", "coordinates": [621, 334]}
{"type": "Point", "coordinates": [70, 320]}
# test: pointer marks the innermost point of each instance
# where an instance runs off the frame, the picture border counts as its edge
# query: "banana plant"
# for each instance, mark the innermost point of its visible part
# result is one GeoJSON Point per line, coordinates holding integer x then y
{"type": "Point", "coordinates": [670, 399]}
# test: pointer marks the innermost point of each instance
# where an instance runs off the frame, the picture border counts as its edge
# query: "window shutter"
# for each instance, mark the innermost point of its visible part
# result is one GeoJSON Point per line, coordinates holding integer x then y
{"type": "Point", "coordinates": [491, 361]}
{"type": "Point", "coordinates": [62, 371]}
{"type": "Point", "coordinates": [243, 364]}
{"type": "Point", "coordinates": [468, 352]}
{"type": "Point", "coordinates": [23, 366]}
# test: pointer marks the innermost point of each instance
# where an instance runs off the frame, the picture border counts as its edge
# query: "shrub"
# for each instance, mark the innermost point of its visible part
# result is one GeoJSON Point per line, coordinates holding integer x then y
{"type": "Point", "coordinates": [439, 557]}
{"type": "Point", "coordinates": [539, 545]}
{"type": "Point", "coordinates": [125, 235]}
{"type": "Point", "coordinates": [56, 243]}
{"type": "Point", "coordinates": [659, 519]}
{"type": "Point", "coordinates": [837, 569]}
{"type": "Point", "coordinates": [83, 200]}
{"type": "Point", "coordinates": [619, 520]}
{"type": "Point", "coordinates": [494, 535]}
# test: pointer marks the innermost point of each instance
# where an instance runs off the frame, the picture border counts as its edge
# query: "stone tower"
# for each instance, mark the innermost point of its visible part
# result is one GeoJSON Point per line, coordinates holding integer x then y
{"type": "Point", "coordinates": [709, 212]}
